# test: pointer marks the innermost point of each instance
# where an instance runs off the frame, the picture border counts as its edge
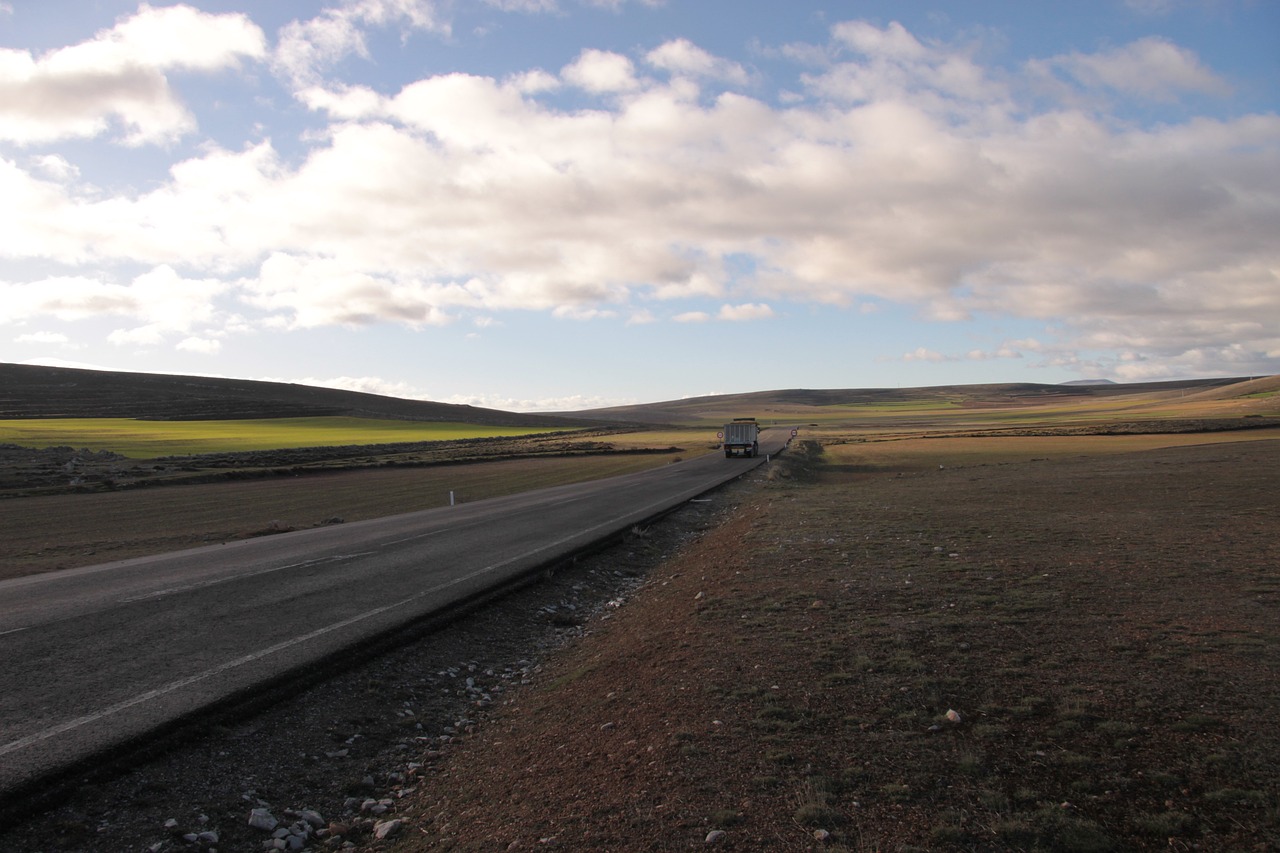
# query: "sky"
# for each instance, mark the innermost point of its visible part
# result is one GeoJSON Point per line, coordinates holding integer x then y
{"type": "Point", "coordinates": [540, 205]}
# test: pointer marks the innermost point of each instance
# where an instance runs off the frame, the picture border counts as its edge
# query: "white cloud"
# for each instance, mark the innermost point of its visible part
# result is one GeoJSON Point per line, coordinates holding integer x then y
{"type": "Point", "coordinates": [526, 6]}
{"type": "Point", "coordinates": [161, 301]}
{"type": "Point", "coordinates": [1152, 67]}
{"type": "Point", "coordinates": [308, 48]}
{"type": "Point", "coordinates": [55, 167]}
{"type": "Point", "coordinates": [42, 338]}
{"type": "Point", "coordinates": [692, 317]}
{"type": "Point", "coordinates": [204, 346]}
{"type": "Point", "coordinates": [681, 56]}
{"type": "Point", "coordinates": [616, 5]}
{"type": "Point", "coordinates": [925, 354]}
{"type": "Point", "coordinates": [120, 76]}
{"type": "Point", "coordinates": [309, 291]}
{"type": "Point", "coordinates": [740, 313]}
{"type": "Point", "coordinates": [891, 67]}
{"type": "Point", "coordinates": [601, 72]}
{"type": "Point", "coordinates": [566, 403]}
{"type": "Point", "coordinates": [909, 174]}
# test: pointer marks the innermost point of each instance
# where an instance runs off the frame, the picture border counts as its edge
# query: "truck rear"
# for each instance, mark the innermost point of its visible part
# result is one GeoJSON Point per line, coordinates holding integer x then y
{"type": "Point", "coordinates": [741, 437]}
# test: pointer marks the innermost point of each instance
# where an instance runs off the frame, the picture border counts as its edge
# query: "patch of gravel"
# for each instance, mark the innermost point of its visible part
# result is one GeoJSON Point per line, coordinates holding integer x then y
{"type": "Point", "coordinates": [326, 767]}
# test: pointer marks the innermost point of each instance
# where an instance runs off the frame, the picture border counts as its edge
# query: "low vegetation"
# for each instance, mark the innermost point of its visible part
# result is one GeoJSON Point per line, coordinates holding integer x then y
{"type": "Point", "coordinates": [139, 439]}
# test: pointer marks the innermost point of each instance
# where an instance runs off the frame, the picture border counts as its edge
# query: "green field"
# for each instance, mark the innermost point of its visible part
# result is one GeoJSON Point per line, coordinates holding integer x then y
{"type": "Point", "coordinates": [139, 439]}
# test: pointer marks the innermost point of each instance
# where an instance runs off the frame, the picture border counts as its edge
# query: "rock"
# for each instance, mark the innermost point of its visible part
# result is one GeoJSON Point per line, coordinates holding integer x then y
{"type": "Point", "coordinates": [312, 817]}
{"type": "Point", "coordinates": [953, 716]}
{"type": "Point", "coordinates": [821, 835]}
{"type": "Point", "coordinates": [387, 828]}
{"type": "Point", "coordinates": [263, 819]}
{"type": "Point", "coordinates": [207, 837]}
{"type": "Point", "coordinates": [715, 836]}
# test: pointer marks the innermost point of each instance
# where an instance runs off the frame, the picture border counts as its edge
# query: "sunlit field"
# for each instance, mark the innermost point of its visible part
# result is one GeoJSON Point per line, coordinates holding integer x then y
{"type": "Point", "coordinates": [139, 439]}
{"type": "Point", "coordinates": [856, 453]}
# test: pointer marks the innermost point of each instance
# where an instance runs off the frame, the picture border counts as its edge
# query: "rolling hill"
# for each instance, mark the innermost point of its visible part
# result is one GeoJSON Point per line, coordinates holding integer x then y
{"type": "Point", "coordinates": [29, 391]}
{"type": "Point", "coordinates": [796, 402]}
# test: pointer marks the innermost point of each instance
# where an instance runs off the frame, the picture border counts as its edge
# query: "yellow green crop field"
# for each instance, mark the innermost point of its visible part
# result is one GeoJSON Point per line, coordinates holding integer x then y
{"type": "Point", "coordinates": [139, 439]}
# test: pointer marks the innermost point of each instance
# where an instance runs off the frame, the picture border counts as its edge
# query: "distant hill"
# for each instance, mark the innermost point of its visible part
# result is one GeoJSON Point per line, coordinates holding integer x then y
{"type": "Point", "coordinates": [1078, 382]}
{"type": "Point", "coordinates": [794, 402]}
{"type": "Point", "coordinates": [31, 391]}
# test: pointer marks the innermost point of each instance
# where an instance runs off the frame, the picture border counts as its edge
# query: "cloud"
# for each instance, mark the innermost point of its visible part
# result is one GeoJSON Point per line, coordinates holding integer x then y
{"type": "Point", "coordinates": [204, 346]}
{"type": "Point", "coordinates": [306, 49]}
{"type": "Point", "coordinates": [1152, 68]}
{"type": "Point", "coordinates": [601, 72]}
{"type": "Point", "coordinates": [161, 301]}
{"type": "Point", "coordinates": [692, 317]}
{"type": "Point", "coordinates": [120, 76]}
{"type": "Point", "coordinates": [526, 6]}
{"type": "Point", "coordinates": [908, 173]}
{"type": "Point", "coordinates": [42, 338]}
{"type": "Point", "coordinates": [307, 292]}
{"type": "Point", "coordinates": [924, 354]}
{"type": "Point", "coordinates": [681, 56]}
{"type": "Point", "coordinates": [891, 66]}
{"type": "Point", "coordinates": [740, 313]}
{"type": "Point", "coordinates": [566, 403]}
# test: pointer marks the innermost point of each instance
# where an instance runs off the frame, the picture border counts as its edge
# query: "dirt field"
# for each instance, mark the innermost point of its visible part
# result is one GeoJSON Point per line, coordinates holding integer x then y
{"type": "Point", "coordinates": [1071, 655]}
{"type": "Point", "coordinates": [854, 649]}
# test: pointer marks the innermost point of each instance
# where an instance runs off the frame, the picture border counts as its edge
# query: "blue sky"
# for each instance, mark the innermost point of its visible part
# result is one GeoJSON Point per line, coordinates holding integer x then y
{"type": "Point", "coordinates": [564, 204]}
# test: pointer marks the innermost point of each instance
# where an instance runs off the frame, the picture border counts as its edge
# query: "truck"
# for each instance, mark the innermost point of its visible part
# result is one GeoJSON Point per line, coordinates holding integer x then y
{"type": "Point", "coordinates": [741, 437]}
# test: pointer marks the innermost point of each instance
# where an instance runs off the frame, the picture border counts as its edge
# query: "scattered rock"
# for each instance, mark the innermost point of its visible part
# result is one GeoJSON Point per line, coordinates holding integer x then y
{"type": "Point", "coordinates": [263, 819]}
{"type": "Point", "coordinates": [387, 828]}
{"type": "Point", "coordinates": [715, 836]}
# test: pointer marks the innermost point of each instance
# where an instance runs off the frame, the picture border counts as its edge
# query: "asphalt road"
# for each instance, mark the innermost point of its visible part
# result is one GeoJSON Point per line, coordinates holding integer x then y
{"type": "Point", "coordinates": [98, 658]}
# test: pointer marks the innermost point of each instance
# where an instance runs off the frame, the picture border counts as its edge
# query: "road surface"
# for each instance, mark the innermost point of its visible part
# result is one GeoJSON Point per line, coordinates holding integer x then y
{"type": "Point", "coordinates": [97, 658]}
